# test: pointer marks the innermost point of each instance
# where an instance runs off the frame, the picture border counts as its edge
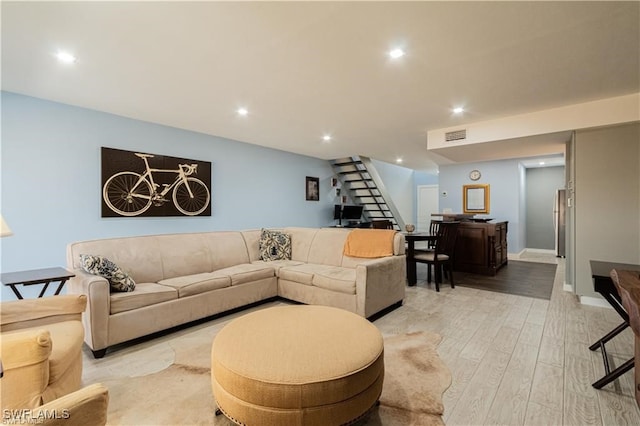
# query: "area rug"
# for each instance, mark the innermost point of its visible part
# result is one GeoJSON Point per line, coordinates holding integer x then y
{"type": "Point", "coordinates": [531, 279]}
{"type": "Point", "coordinates": [415, 380]}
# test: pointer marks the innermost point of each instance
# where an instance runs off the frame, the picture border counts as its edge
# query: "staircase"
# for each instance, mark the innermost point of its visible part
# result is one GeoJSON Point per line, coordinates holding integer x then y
{"type": "Point", "coordinates": [361, 182]}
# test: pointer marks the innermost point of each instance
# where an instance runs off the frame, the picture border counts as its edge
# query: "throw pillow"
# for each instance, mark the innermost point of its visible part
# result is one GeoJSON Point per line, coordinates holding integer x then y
{"type": "Point", "coordinates": [99, 265]}
{"type": "Point", "coordinates": [275, 245]}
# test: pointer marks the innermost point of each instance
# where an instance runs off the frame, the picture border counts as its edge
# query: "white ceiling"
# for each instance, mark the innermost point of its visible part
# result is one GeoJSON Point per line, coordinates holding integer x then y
{"type": "Point", "coordinates": [304, 69]}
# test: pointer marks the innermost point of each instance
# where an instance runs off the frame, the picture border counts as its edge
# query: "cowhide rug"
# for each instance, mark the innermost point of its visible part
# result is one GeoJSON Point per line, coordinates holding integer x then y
{"type": "Point", "coordinates": [180, 394]}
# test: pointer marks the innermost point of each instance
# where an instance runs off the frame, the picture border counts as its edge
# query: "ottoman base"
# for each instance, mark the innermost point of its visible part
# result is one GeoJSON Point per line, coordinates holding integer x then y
{"type": "Point", "coordinates": [297, 365]}
{"type": "Point", "coordinates": [341, 413]}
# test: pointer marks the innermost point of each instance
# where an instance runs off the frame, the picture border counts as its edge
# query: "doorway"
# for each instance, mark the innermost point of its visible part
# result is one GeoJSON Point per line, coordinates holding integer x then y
{"type": "Point", "coordinates": [541, 186]}
{"type": "Point", "coordinates": [428, 203]}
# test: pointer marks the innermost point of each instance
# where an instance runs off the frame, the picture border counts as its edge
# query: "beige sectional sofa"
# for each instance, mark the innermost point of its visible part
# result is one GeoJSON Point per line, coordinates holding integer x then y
{"type": "Point", "coordinates": [184, 277]}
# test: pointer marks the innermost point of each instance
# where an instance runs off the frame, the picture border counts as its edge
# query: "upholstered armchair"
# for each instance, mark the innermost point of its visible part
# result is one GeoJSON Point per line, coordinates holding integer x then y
{"type": "Point", "coordinates": [87, 406]}
{"type": "Point", "coordinates": [41, 357]}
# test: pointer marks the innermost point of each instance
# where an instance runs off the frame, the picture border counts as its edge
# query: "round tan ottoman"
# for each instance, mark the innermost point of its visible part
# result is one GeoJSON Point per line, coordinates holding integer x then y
{"type": "Point", "coordinates": [297, 365]}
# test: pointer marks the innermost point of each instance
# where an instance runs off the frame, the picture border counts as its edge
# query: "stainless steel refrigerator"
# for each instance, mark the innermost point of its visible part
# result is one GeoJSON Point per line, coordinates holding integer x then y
{"type": "Point", "coordinates": [559, 209]}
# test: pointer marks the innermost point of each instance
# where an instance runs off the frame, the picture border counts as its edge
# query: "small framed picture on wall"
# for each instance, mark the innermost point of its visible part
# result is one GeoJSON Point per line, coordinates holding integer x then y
{"type": "Point", "coordinates": [312, 188]}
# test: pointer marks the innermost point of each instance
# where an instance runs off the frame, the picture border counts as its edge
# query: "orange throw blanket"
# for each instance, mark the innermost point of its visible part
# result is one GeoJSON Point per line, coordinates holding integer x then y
{"type": "Point", "coordinates": [369, 243]}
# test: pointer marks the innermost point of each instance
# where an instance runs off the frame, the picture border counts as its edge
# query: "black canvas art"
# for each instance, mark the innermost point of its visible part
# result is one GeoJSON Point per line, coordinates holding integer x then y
{"type": "Point", "coordinates": [140, 184]}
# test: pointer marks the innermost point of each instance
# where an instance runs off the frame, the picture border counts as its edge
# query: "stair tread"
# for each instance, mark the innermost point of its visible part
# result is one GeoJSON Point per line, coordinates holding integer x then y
{"type": "Point", "coordinates": [360, 183]}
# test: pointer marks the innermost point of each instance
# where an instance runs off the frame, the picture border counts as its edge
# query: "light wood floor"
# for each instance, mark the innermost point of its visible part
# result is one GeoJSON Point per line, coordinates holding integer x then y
{"type": "Point", "coordinates": [521, 361]}
{"type": "Point", "coordinates": [515, 360]}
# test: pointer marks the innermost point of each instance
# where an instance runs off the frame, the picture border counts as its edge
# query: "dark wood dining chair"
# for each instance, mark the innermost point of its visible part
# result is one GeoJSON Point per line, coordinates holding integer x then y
{"type": "Point", "coordinates": [382, 224]}
{"type": "Point", "coordinates": [433, 229]}
{"type": "Point", "coordinates": [441, 258]}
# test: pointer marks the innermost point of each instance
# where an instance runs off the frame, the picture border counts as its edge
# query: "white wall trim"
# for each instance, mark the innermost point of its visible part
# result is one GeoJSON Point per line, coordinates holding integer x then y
{"type": "Point", "coordinates": [516, 256]}
{"type": "Point", "coordinates": [603, 112]}
{"type": "Point", "coordinates": [594, 301]}
{"type": "Point", "coordinates": [567, 287]}
{"type": "Point", "coordinates": [535, 250]}
{"type": "Point", "coordinates": [522, 252]}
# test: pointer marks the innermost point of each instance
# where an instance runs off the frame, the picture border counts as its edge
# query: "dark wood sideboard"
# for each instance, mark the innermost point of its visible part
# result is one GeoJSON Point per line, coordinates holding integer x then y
{"type": "Point", "coordinates": [481, 248]}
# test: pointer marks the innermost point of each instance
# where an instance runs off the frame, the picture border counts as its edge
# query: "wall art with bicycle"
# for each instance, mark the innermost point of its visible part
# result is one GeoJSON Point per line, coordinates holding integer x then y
{"type": "Point", "coordinates": [140, 184]}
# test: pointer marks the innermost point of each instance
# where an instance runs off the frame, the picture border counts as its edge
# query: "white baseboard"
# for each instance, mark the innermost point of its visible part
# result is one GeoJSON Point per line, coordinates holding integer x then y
{"type": "Point", "coordinates": [522, 252]}
{"type": "Point", "coordinates": [516, 255]}
{"type": "Point", "coordinates": [595, 301]}
{"type": "Point", "coordinates": [535, 250]}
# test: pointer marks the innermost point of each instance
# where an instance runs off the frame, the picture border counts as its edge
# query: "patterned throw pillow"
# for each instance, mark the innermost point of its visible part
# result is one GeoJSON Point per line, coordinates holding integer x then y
{"type": "Point", "coordinates": [98, 265]}
{"type": "Point", "coordinates": [275, 245]}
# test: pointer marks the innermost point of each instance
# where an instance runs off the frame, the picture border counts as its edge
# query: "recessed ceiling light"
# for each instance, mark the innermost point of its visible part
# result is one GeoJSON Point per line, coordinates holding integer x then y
{"type": "Point", "coordinates": [396, 53]}
{"type": "Point", "coordinates": [65, 57]}
{"type": "Point", "coordinates": [243, 111]}
{"type": "Point", "coordinates": [326, 138]}
{"type": "Point", "coordinates": [541, 163]}
{"type": "Point", "coordinates": [458, 110]}
{"type": "Point", "coordinates": [399, 160]}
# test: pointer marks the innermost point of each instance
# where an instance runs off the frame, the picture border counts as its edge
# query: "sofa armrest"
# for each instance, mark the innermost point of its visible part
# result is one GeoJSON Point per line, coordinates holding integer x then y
{"type": "Point", "coordinates": [25, 364]}
{"type": "Point", "coordinates": [87, 406]}
{"type": "Point", "coordinates": [28, 313]}
{"type": "Point", "coordinates": [96, 315]}
{"type": "Point", "coordinates": [379, 284]}
{"type": "Point", "coordinates": [399, 244]}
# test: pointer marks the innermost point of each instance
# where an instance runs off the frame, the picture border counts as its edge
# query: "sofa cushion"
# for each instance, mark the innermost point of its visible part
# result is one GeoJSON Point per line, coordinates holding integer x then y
{"type": "Point", "coordinates": [336, 278]}
{"type": "Point", "coordinates": [279, 264]}
{"type": "Point", "coordinates": [145, 294]}
{"type": "Point", "coordinates": [274, 245]}
{"type": "Point", "coordinates": [327, 246]}
{"type": "Point", "coordinates": [301, 239]}
{"type": "Point", "coordinates": [197, 283]}
{"type": "Point", "coordinates": [137, 256]}
{"type": "Point", "coordinates": [226, 249]}
{"type": "Point", "coordinates": [248, 272]}
{"type": "Point", "coordinates": [302, 274]}
{"type": "Point", "coordinates": [252, 240]}
{"type": "Point", "coordinates": [193, 257]}
{"type": "Point", "coordinates": [100, 265]}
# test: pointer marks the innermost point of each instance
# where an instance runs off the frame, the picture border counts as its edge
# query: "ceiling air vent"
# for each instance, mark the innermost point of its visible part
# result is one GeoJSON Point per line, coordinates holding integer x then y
{"type": "Point", "coordinates": [456, 135]}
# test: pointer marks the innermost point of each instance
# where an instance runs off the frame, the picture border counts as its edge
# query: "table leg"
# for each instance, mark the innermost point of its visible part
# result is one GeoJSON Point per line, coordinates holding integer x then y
{"type": "Point", "coordinates": [614, 301]}
{"type": "Point", "coordinates": [60, 287]}
{"type": "Point", "coordinates": [46, 284]}
{"type": "Point", "coordinates": [15, 291]}
{"type": "Point", "coordinates": [611, 376]}
{"type": "Point", "coordinates": [412, 277]}
{"type": "Point", "coordinates": [610, 335]}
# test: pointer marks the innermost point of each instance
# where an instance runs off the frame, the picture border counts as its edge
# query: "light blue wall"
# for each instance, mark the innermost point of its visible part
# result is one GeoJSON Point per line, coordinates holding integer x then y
{"type": "Point", "coordinates": [398, 181]}
{"type": "Point", "coordinates": [505, 178]}
{"type": "Point", "coordinates": [50, 181]}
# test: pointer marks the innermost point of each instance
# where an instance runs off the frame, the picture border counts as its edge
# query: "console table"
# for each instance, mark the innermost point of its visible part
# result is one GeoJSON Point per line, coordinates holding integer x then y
{"type": "Point", "coordinates": [603, 284]}
{"type": "Point", "coordinates": [36, 276]}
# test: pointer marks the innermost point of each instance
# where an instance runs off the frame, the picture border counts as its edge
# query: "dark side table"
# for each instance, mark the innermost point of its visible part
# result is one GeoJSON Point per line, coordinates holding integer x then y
{"type": "Point", "coordinates": [36, 276]}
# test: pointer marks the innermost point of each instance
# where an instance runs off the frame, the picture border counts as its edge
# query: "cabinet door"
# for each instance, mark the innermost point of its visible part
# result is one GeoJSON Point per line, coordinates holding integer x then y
{"type": "Point", "coordinates": [471, 248]}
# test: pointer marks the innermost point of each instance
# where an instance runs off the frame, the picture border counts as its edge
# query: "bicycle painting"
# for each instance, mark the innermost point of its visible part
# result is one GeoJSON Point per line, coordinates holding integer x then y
{"type": "Point", "coordinates": [140, 184]}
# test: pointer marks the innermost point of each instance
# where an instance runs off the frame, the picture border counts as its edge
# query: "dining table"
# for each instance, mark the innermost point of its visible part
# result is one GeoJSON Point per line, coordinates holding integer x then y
{"type": "Point", "coordinates": [411, 238]}
{"type": "Point", "coordinates": [604, 284]}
